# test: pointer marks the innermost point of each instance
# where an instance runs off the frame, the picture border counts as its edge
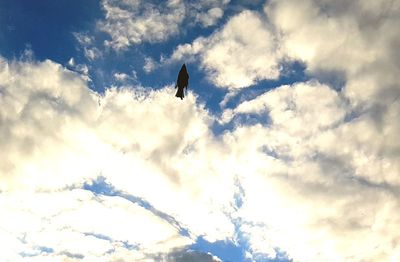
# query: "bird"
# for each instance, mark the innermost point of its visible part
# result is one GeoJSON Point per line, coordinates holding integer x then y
{"type": "Point", "coordinates": [182, 82]}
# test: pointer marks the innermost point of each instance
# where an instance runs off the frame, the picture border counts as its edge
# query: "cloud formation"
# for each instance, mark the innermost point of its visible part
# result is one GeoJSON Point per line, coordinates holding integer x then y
{"type": "Point", "coordinates": [316, 173]}
{"type": "Point", "coordinates": [58, 135]}
{"type": "Point", "coordinates": [133, 22]}
{"type": "Point", "coordinates": [77, 224]}
{"type": "Point", "coordinates": [238, 55]}
{"type": "Point", "coordinates": [323, 182]}
{"type": "Point", "coordinates": [328, 169]}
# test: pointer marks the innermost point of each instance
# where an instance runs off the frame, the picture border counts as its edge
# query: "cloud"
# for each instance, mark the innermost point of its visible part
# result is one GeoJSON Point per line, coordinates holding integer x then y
{"type": "Point", "coordinates": [313, 179]}
{"type": "Point", "coordinates": [59, 135]}
{"type": "Point", "coordinates": [149, 64]}
{"type": "Point", "coordinates": [288, 108]}
{"type": "Point", "coordinates": [322, 165]}
{"type": "Point", "coordinates": [133, 22]}
{"type": "Point", "coordinates": [121, 77]}
{"type": "Point", "coordinates": [317, 172]}
{"type": "Point", "coordinates": [207, 13]}
{"type": "Point", "coordinates": [80, 68]}
{"type": "Point", "coordinates": [77, 224]}
{"type": "Point", "coordinates": [356, 38]}
{"type": "Point", "coordinates": [241, 53]}
{"type": "Point", "coordinates": [87, 42]}
{"type": "Point", "coordinates": [322, 181]}
{"type": "Point", "coordinates": [191, 255]}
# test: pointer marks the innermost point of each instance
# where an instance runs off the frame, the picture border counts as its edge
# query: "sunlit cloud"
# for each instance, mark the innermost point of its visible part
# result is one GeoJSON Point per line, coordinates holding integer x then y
{"type": "Point", "coordinates": [241, 53]}
{"type": "Point", "coordinates": [133, 22]}
{"type": "Point", "coordinates": [133, 174]}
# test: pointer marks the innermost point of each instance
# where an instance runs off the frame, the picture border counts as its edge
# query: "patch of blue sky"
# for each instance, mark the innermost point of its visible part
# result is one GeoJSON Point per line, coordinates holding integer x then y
{"type": "Point", "coordinates": [132, 60]}
{"type": "Point", "coordinates": [37, 251]}
{"type": "Point", "coordinates": [239, 194]}
{"type": "Point", "coordinates": [225, 250]}
{"type": "Point", "coordinates": [44, 26]}
{"type": "Point", "coordinates": [101, 187]}
{"type": "Point", "coordinates": [46, 249]}
{"type": "Point", "coordinates": [292, 72]}
{"type": "Point", "coordinates": [228, 251]}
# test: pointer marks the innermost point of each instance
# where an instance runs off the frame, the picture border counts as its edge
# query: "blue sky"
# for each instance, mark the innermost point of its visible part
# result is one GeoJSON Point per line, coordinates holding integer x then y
{"type": "Point", "coordinates": [284, 149]}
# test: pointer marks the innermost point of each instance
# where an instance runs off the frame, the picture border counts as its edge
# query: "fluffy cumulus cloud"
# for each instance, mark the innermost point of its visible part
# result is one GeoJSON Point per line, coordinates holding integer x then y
{"type": "Point", "coordinates": [241, 53]}
{"type": "Point", "coordinates": [77, 224]}
{"type": "Point", "coordinates": [354, 38]}
{"type": "Point", "coordinates": [326, 164]}
{"type": "Point", "coordinates": [133, 22]}
{"type": "Point", "coordinates": [325, 182]}
{"type": "Point", "coordinates": [59, 138]}
{"type": "Point", "coordinates": [208, 12]}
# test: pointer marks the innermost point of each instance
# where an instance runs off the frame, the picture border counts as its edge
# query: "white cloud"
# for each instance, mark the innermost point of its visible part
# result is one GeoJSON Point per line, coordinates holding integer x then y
{"type": "Point", "coordinates": [133, 22]}
{"type": "Point", "coordinates": [59, 134]}
{"type": "Point", "coordinates": [121, 76]}
{"type": "Point", "coordinates": [208, 12]}
{"type": "Point", "coordinates": [288, 108]}
{"type": "Point", "coordinates": [241, 53]}
{"type": "Point", "coordinates": [355, 37]}
{"type": "Point", "coordinates": [321, 173]}
{"type": "Point", "coordinates": [323, 182]}
{"type": "Point", "coordinates": [314, 180]}
{"type": "Point", "coordinates": [125, 78]}
{"type": "Point", "coordinates": [149, 64]}
{"type": "Point", "coordinates": [80, 68]}
{"type": "Point", "coordinates": [78, 223]}
{"type": "Point", "coordinates": [326, 165]}
{"type": "Point", "coordinates": [87, 41]}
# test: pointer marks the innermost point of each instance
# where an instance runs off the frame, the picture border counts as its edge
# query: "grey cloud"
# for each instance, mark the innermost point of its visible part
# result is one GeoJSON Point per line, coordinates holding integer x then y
{"type": "Point", "coordinates": [190, 256]}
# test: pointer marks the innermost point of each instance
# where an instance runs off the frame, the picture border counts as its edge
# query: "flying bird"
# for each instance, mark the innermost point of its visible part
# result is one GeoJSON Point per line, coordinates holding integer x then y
{"type": "Point", "coordinates": [182, 82]}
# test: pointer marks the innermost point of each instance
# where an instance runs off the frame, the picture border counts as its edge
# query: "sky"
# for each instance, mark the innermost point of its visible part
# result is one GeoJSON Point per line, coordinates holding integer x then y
{"type": "Point", "coordinates": [286, 146]}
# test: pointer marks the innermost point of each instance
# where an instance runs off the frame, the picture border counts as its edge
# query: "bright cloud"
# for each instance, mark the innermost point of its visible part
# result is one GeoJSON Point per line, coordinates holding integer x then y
{"type": "Point", "coordinates": [323, 181]}
{"type": "Point", "coordinates": [133, 22]}
{"type": "Point", "coordinates": [356, 38]}
{"type": "Point", "coordinates": [59, 134]}
{"type": "Point", "coordinates": [315, 176]}
{"type": "Point", "coordinates": [77, 223]}
{"type": "Point", "coordinates": [208, 12]}
{"type": "Point", "coordinates": [243, 52]}
{"type": "Point", "coordinates": [328, 169]}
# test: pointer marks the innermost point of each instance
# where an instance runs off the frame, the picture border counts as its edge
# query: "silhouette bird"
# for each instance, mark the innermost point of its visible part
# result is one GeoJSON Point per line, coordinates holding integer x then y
{"type": "Point", "coordinates": [182, 82]}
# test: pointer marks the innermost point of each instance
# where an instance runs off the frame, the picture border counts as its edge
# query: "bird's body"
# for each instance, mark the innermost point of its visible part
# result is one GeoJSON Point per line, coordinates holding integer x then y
{"type": "Point", "coordinates": [182, 82]}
